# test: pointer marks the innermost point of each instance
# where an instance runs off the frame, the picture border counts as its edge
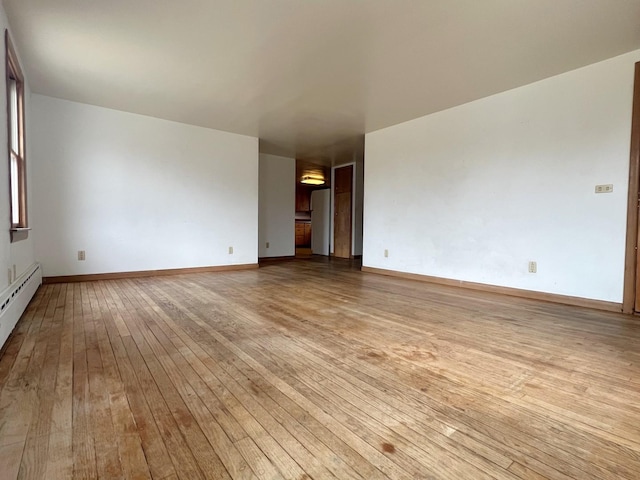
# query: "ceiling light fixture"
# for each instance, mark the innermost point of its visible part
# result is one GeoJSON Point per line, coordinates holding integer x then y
{"type": "Point", "coordinates": [312, 180]}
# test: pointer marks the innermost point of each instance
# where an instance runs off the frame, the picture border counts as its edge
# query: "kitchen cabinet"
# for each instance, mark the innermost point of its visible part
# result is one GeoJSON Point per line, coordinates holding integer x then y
{"type": "Point", "coordinates": [303, 234]}
{"type": "Point", "coordinates": [303, 199]}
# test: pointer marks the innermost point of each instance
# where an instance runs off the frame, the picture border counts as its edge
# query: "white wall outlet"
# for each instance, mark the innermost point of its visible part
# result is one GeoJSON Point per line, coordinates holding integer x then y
{"type": "Point", "coordinates": [533, 267]}
{"type": "Point", "coordinates": [10, 276]}
{"type": "Point", "coordinates": [608, 188]}
{"type": "Point", "coordinates": [267, 244]}
{"type": "Point", "coordinates": [14, 272]}
{"type": "Point", "coordinates": [230, 250]}
{"type": "Point", "coordinates": [386, 253]}
{"type": "Point", "coordinates": [81, 255]}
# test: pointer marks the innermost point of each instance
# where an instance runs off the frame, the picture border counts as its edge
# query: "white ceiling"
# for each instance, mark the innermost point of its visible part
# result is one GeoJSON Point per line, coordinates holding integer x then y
{"type": "Point", "coordinates": [309, 77]}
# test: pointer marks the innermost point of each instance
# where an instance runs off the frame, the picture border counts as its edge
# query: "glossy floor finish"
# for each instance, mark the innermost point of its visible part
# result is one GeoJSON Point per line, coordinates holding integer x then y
{"type": "Point", "coordinates": [308, 369]}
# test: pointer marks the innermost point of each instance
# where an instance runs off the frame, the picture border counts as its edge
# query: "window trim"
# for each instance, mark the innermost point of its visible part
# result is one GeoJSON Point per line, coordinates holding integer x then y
{"type": "Point", "coordinates": [14, 72]}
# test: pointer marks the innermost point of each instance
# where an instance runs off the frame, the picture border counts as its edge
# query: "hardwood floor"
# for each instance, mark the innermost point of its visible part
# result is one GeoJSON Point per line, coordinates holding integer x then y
{"type": "Point", "coordinates": [307, 369]}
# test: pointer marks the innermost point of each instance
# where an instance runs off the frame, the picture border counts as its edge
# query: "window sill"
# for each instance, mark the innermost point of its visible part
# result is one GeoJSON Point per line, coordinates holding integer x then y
{"type": "Point", "coordinates": [19, 233]}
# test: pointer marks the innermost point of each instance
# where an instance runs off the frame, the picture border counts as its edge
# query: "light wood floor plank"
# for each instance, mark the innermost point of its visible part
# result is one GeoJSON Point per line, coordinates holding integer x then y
{"type": "Point", "coordinates": [15, 415]}
{"type": "Point", "coordinates": [158, 458]}
{"type": "Point", "coordinates": [122, 426]}
{"type": "Point", "coordinates": [41, 376]}
{"type": "Point", "coordinates": [447, 470]}
{"type": "Point", "coordinates": [252, 382]}
{"type": "Point", "coordinates": [266, 421]}
{"type": "Point", "coordinates": [83, 441]}
{"type": "Point", "coordinates": [59, 461]}
{"type": "Point", "coordinates": [36, 449]}
{"type": "Point", "coordinates": [470, 396]}
{"type": "Point", "coordinates": [312, 369]}
{"type": "Point", "coordinates": [177, 372]}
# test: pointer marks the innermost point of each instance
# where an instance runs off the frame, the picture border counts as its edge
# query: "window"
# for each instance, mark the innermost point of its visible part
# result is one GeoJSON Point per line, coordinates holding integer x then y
{"type": "Point", "coordinates": [15, 126]}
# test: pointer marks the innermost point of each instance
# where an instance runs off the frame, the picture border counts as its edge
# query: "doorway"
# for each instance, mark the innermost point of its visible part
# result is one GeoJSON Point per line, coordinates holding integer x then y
{"type": "Point", "coordinates": [311, 178]}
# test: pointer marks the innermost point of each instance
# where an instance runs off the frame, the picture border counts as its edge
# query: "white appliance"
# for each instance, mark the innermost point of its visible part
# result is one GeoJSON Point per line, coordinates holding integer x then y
{"type": "Point", "coordinates": [320, 221]}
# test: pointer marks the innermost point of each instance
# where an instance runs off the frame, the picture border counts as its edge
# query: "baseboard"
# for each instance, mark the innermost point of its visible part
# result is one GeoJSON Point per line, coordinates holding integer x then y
{"type": "Point", "coordinates": [276, 259]}
{"type": "Point", "coordinates": [146, 273]}
{"type": "Point", "coordinates": [514, 292]}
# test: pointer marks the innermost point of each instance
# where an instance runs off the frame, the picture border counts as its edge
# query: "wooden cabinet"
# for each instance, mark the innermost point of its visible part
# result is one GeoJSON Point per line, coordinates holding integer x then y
{"type": "Point", "coordinates": [303, 234]}
{"type": "Point", "coordinates": [299, 234]}
{"type": "Point", "coordinates": [303, 198]}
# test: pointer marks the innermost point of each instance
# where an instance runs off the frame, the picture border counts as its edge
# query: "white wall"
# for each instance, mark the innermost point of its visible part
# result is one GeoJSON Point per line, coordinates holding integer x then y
{"type": "Point", "coordinates": [138, 193]}
{"type": "Point", "coordinates": [19, 253]}
{"type": "Point", "coordinates": [475, 192]}
{"type": "Point", "coordinates": [15, 257]}
{"type": "Point", "coordinates": [277, 206]}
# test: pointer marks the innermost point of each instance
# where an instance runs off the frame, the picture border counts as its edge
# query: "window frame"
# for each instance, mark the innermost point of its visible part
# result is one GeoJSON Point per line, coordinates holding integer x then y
{"type": "Point", "coordinates": [14, 74]}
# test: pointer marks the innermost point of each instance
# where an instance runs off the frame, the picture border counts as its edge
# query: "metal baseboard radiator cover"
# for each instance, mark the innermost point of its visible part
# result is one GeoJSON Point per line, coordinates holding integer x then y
{"type": "Point", "coordinates": [15, 298]}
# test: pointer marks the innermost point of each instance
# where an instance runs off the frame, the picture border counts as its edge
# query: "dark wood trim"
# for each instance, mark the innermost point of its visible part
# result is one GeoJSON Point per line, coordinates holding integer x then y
{"type": "Point", "coordinates": [146, 273]}
{"type": "Point", "coordinates": [12, 58]}
{"type": "Point", "coordinates": [276, 259]}
{"type": "Point", "coordinates": [631, 250]}
{"type": "Point", "coordinates": [13, 71]}
{"type": "Point", "coordinates": [513, 292]}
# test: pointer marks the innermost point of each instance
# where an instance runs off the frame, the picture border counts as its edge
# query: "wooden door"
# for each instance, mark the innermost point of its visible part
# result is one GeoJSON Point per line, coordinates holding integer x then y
{"type": "Point", "coordinates": [631, 291]}
{"type": "Point", "coordinates": [343, 181]}
{"type": "Point", "coordinates": [631, 295]}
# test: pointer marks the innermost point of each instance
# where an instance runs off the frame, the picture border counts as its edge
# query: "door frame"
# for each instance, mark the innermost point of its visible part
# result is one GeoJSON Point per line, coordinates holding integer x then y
{"type": "Point", "coordinates": [631, 262]}
{"type": "Point", "coordinates": [353, 207]}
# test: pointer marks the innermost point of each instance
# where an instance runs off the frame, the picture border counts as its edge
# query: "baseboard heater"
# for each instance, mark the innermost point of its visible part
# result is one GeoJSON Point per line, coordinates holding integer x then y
{"type": "Point", "coordinates": [15, 298]}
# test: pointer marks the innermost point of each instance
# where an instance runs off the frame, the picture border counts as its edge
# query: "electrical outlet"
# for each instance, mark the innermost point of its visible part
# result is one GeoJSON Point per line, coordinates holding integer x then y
{"type": "Point", "coordinates": [386, 253]}
{"type": "Point", "coordinates": [10, 276]}
{"type": "Point", "coordinates": [14, 272]}
{"type": "Point", "coordinates": [230, 250]}
{"type": "Point", "coordinates": [81, 255]}
{"type": "Point", "coordinates": [608, 188]}
{"type": "Point", "coordinates": [267, 244]}
{"type": "Point", "coordinates": [533, 267]}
